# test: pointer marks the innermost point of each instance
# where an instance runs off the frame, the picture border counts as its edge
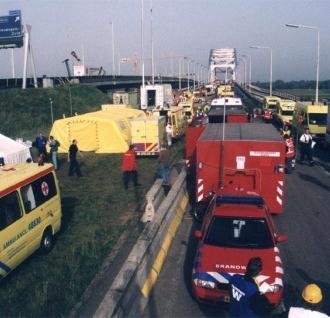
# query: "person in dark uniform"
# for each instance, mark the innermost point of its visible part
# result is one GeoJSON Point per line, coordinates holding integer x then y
{"type": "Point", "coordinates": [72, 158]}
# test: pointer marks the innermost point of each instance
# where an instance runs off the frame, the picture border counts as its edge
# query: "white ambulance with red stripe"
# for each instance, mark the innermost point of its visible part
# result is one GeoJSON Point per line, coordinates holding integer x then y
{"type": "Point", "coordinates": [235, 229]}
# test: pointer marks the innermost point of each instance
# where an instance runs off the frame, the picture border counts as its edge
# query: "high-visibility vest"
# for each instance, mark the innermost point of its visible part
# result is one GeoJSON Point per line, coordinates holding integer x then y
{"type": "Point", "coordinates": [289, 148]}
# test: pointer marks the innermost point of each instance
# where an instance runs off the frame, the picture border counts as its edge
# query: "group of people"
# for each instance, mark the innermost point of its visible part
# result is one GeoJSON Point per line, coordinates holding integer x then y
{"type": "Point", "coordinates": [252, 303]}
{"type": "Point", "coordinates": [306, 148]}
{"type": "Point", "coordinates": [41, 143]}
{"type": "Point", "coordinates": [129, 166]}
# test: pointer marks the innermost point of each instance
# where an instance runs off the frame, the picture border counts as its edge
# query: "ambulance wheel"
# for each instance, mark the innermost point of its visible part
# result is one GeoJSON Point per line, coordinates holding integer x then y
{"type": "Point", "coordinates": [47, 241]}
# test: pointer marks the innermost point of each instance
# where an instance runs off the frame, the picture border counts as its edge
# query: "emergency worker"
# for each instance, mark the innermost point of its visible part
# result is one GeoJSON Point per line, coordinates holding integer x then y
{"type": "Point", "coordinates": [306, 141]}
{"type": "Point", "coordinates": [286, 131]}
{"type": "Point", "coordinates": [129, 167]}
{"type": "Point", "coordinates": [289, 154]}
{"type": "Point", "coordinates": [311, 303]}
{"type": "Point", "coordinates": [72, 159]}
{"type": "Point", "coordinates": [246, 299]}
{"type": "Point", "coordinates": [168, 130]}
{"type": "Point", "coordinates": [164, 164]}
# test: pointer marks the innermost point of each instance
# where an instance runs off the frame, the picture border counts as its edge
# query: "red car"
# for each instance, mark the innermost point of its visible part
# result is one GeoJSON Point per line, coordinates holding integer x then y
{"type": "Point", "coordinates": [234, 230]}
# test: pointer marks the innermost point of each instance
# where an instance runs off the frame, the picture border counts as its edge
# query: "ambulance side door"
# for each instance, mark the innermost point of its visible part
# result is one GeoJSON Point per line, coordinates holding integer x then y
{"type": "Point", "coordinates": [12, 233]}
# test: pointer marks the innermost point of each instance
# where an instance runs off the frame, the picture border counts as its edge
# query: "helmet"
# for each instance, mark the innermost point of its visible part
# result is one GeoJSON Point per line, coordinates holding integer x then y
{"type": "Point", "coordinates": [312, 294]}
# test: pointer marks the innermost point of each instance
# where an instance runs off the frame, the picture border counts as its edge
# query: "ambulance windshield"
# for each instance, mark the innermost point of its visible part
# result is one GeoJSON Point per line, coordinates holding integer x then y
{"type": "Point", "coordinates": [239, 232]}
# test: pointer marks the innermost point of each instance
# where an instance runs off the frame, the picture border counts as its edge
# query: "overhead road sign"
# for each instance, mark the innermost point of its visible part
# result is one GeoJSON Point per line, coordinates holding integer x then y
{"type": "Point", "coordinates": [11, 35]}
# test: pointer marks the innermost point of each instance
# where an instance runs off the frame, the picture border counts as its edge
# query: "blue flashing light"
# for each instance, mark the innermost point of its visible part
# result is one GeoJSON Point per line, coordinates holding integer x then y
{"type": "Point", "coordinates": [255, 200]}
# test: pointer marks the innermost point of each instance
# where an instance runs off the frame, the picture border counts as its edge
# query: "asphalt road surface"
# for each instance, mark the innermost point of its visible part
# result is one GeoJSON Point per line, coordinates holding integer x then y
{"type": "Point", "coordinates": [305, 256]}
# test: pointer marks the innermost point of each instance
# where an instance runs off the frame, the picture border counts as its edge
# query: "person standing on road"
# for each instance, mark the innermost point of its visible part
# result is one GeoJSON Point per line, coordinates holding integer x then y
{"type": "Point", "coordinates": [306, 141]}
{"type": "Point", "coordinates": [168, 130]}
{"type": "Point", "coordinates": [246, 299]}
{"type": "Point", "coordinates": [72, 158]}
{"type": "Point", "coordinates": [311, 304]}
{"type": "Point", "coordinates": [289, 154]}
{"type": "Point", "coordinates": [129, 167]}
{"type": "Point", "coordinates": [164, 164]}
{"type": "Point", "coordinates": [54, 144]}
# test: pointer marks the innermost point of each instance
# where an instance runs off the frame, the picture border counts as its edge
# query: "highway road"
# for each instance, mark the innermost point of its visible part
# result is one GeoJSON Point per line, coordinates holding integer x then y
{"type": "Point", "coordinates": [306, 254]}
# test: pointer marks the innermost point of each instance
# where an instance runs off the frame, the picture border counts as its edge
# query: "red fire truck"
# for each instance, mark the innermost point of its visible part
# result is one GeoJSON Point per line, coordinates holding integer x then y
{"type": "Point", "coordinates": [238, 159]}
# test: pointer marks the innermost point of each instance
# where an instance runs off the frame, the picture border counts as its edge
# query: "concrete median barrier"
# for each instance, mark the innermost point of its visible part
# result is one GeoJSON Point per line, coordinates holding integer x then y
{"type": "Point", "coordinates": [128, 294]}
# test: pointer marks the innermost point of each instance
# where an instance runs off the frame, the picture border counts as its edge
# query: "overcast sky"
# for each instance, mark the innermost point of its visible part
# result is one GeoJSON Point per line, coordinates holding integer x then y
{"type": "Point", "coordinates": [180, 27]}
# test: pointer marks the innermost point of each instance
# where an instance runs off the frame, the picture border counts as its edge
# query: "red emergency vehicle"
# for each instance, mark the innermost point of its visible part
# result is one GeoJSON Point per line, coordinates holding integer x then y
{"type": "Point", "coordinates": [236, 228]}
{"type": "Point", "coordinates": [232, 114]}
{"type": "Point", "coordinates": [238, 159]}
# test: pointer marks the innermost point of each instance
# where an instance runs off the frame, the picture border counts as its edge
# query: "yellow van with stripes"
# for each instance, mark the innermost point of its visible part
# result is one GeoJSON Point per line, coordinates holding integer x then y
{"type": "Point", "coordinates": [30, 212]}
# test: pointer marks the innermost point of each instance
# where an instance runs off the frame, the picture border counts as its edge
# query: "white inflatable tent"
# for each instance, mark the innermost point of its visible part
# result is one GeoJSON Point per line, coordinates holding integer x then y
{"type": "Point", "coordinates": [12, 151]}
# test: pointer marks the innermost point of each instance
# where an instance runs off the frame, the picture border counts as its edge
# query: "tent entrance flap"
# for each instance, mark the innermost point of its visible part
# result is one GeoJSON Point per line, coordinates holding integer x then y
{"type": "Point", "coordinates": [85, 133]}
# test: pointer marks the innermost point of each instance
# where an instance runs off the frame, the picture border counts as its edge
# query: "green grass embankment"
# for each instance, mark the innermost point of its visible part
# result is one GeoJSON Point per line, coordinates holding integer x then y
{"type": "Point", "coordinates": [96, 209]}
{"type": "Point", "coordinates": [24, 112]}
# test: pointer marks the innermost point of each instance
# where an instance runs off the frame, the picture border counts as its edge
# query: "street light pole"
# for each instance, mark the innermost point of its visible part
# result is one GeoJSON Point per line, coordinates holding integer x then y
{"type": "Point", "coordinates": [152, 46]}
{"type": "Point", "coordinates": [179, 73]}
{"type": "Point", "coordinates": [142, 46]}
{"type": "Point", "coordinates": [271, 65]}
{"type": "Point", "coordinates": [250, 65]}
{"type": "Point", "coordinates": [318, 54]}
{"type": "Point", "coordinates": [51, 110]}
{"type": "Point", "coordinates": [113, 51]}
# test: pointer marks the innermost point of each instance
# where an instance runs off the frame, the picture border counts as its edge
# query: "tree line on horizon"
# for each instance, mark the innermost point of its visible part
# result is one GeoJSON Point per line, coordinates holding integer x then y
{"type": "Point", "coordinates": [302, 84]}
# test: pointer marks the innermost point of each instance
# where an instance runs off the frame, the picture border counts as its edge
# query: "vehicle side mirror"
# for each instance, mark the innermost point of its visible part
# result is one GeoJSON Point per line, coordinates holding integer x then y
{"type": "Point", "coordinates": [281, 238]}
{"type": "Point", "coordinates": [198, 234]}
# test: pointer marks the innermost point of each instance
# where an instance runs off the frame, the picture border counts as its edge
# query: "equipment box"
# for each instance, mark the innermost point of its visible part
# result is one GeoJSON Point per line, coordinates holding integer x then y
{"type": "Point", "coordinates": [249, 159]}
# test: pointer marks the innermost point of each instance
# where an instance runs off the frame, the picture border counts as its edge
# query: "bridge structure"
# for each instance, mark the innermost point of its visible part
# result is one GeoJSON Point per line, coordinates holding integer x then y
{"type": "Point", "coordinates": [223, 60]}
{"type": "Point", "coordinates": [104, 83]}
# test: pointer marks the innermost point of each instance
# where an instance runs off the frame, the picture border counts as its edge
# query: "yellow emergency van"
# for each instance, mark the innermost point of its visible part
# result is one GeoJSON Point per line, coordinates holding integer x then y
{"type": "Point", "coordinates": [313, 116]}
{"type": "Point", "coordinates": [175, 116]}
{"type": "Point", "coordinates": [148, 135]}
{"type": "Point", "coordinates": [269, 107]}
{"type": "Point", "coordinates": [284, 111]}
{"type": "Point", "coordinates": [225, 90]}
{"type": "Point", "coordinates": [30, 212]}
{"type": "Point", "coordinates": [188, 109]}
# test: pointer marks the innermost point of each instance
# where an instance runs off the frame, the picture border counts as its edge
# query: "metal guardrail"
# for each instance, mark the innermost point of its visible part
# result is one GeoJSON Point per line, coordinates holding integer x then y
{"type": "Point", "coordinates": [265, 92]}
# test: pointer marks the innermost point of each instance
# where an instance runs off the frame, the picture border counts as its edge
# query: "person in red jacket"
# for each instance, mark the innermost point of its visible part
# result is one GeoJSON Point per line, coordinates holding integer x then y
{"type": "Point", "coordinates": [129, 167]}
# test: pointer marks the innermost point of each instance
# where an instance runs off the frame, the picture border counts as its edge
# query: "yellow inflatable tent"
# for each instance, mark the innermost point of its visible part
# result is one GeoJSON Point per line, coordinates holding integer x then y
{"type": "Point", "coordinates": [101, 131]}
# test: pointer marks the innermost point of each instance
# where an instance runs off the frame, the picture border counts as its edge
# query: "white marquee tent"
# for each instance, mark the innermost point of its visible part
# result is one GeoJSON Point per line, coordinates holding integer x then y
{"type": "Point", "coordinates": [13, 151]}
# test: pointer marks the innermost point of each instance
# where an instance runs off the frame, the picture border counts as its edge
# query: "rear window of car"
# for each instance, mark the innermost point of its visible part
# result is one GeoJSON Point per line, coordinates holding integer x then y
{"type": "Point", "coordinates": [239, 232]}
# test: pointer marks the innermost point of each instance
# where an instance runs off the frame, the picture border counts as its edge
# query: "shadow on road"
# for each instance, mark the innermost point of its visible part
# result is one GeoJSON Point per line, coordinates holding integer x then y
{"type": "Point", "coordinates": [314, 180]}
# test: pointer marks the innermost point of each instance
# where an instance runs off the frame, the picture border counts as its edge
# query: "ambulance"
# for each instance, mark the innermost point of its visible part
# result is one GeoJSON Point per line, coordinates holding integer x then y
{"type": "Point", "coordinates": [269, 107]}
{"type": "Point", "coordinates": [189, 110]}
{"type": "Point", "coordinates": [148, 135]}
{"type": "Point", "coordinates": [284, 112]}
{"type": "Point", "coordinates": [175, 116]}
{"type": "Point", "coordinates": [30, 212]}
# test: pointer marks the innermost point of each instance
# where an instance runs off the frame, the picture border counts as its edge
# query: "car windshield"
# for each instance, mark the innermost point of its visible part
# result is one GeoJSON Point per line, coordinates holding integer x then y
{"type": "Point", "coordinates": [271, 106]}
{"type": "Point", "coordinates": [317, 119]}
{"type": "Point", "coordinates": [239, 233]}
{"type": "Point", "coordinates": [287, 112]}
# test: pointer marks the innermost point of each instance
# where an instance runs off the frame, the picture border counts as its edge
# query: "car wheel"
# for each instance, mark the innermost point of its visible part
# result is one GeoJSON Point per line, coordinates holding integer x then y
{"type": "Point", "coordinates": [47, 242]}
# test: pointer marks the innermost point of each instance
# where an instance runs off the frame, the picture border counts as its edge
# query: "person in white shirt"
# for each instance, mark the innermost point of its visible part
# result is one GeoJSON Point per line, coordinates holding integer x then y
{"type": "Point", "coordinates": [306, 140]}
{"type": "Point", "coordinates": [169, 134]}
{"type": "Point", "coordinates": [312, 301]}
